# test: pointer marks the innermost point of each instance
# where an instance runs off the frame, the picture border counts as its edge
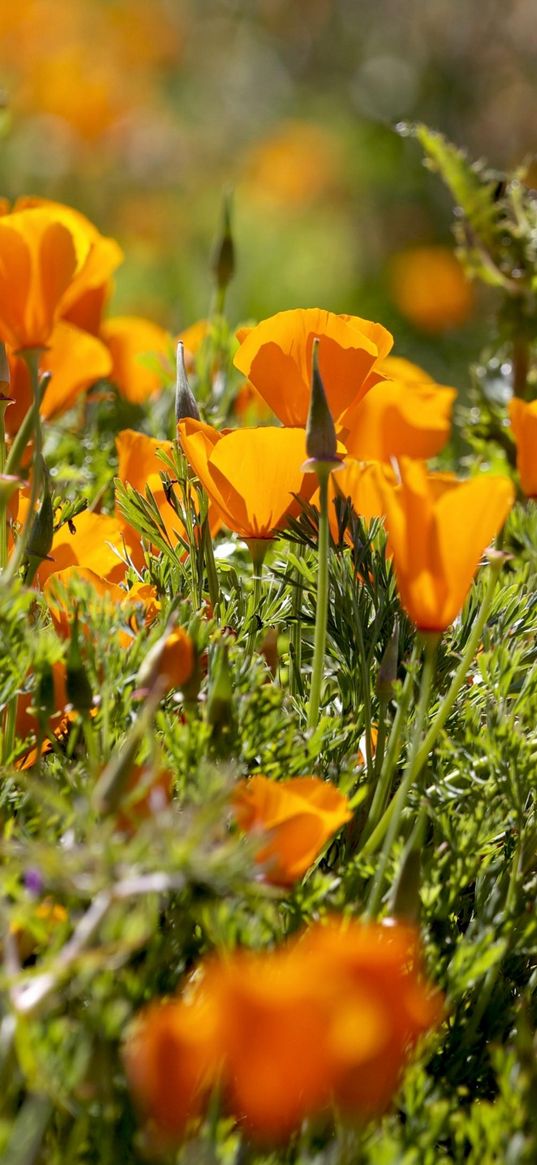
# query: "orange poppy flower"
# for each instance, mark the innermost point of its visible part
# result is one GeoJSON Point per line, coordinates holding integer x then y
{"type": "Point", "coordinates": [98, 257]}
{"type": "Point", "coordinates": [329, 1019]}
{"type": "Point", "coordinates": [276, 356]}
{"type": "Point", "coordinates": [249, 474]}
{"type": "Point", "coordinates": [358, 481]}
{"type": "Point", "coordinates": [75, 360]}
{"type": "Point", "coordinates": [171, 1063]}
{"type": "Point", "coordinates": [430, 288]}
{"type": "Point", "coordinates": [130, 340]}
{"type": "Point", "coordinates": [38, 260]}
{"type": "Point", "coordinates": [139, 466]}
{"type": "Point", "coordinates": [296, 817]}
{"type": "Point", "coordinates": [523, 416]}
{"type": "Point", "coordinates": [398, 418]}
{"type": "Point", "coordinates": [438, 528]}
{"type": "Point", "coordinates": [99, 544]}
{"type": "Point", "coordinates": [384, 1007]}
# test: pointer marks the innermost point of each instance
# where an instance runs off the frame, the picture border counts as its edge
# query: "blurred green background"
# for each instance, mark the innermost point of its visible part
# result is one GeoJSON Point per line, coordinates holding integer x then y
{"type": "Point", "coordinates": [142, 112]}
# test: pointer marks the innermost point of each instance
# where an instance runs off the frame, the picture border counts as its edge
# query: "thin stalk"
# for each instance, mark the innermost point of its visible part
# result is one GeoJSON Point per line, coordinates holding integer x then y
{"type": "Point", "coordinates": [462, 670]}
{"type": "Point", "coordinates": [409, 775]}
{"type": "Point", "coordinates": [390, 760]}
{"type": "Point", "coordinates": [210, 565]}
{"type": "Point", "coordinates": [322, 600]}
{"type": "Point", "coordinates": [296, 629]}
{"type": "Point", "coordinates": [256, 600]}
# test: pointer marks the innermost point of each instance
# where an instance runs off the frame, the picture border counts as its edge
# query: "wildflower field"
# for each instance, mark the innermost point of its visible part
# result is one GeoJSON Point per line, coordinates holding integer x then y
{"type": "Point", "coordinates": [268, 693]}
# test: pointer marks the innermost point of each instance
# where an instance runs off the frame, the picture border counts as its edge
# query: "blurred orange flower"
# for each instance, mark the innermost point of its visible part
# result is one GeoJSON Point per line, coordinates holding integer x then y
{"type": "Point", "coordinates": [358, 481]}
{"type": "Point", "coordinates": [171, 1063]}
{"type": "Point", "coordinates": [140, 353]}
{"type": "Point", "coordinates": [523, 416]}
{"type": "Point", "coordinates": [438, 528]}
{"type": "Point", "coordinates": [296, 818]}
{"type": "Point", "coordinates": [430, 288]}
{"type": "Point", "coordinates": [38, 260]}
{"type": "Point", "coordinates": [328, 1020]}
{"type": "Point", "coordinates": [276, 356]}
{"type": "Point", "coordinates": [249, 474]}
{"type": "Point", "coordinates": [75, 360]}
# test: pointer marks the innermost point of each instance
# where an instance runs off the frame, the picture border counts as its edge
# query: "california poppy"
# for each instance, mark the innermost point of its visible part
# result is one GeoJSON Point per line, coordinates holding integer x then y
{"type": "Point", "coordinates": [295, 818]}
{"type": "Point", "coordinates": [38, 261]}
{"type": "Point", "coordinates": [398, 418]}
{"type": "Point", "coordinates": [276, 356]}
{"type": "Point", "coordinates": [523, 416]}
{"type": "Point", "coordinates": [75, 360]}
{"type": "Point", "coordinates": [99, 542]}
{"type": "Point", "coordinates": [84, 299]}
{"type": "Point", "coordinates": [430, 288]}
{"type": "Point", "coordinates": [251, 475]}
{"type": "Point", "coordinates": [140, 351]}
{"type": "Point", "coordinates": [438, 528]}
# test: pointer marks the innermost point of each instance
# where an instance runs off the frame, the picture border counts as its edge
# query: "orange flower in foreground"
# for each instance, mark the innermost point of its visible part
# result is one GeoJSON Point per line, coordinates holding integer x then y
{"type": "Point", "coordinates": [523, 416]}
{"type": "Point", "coordinates": [438, 528]}
{"type": "Point", "coordinates": [38, 260]}
{"type": "Point", "coordinates": [328, 1020]}
{"type": "Point", "coordinates": [276, 356]}
{"type": "Point", "coordinates": [171, 1063]}
{"type": "Point", "coordinates": [249, 474]}
{"type": "Point", "coordinates": [296, 819]}
{"type": "Point", "coordinates": [397, 418]}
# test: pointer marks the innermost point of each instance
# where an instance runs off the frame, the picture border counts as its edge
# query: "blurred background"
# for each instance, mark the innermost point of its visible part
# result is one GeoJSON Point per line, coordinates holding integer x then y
{"type": "Point", "coordinates": [143, 112]}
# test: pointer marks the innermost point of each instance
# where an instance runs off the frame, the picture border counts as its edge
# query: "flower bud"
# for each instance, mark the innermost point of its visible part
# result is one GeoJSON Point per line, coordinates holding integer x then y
{"type": "Point", "coordinates": [321, 440]}
{"type": "Point", "coordinates": [387, 673]}
{"type": "Point", "coordinates": [185, 401]}
{"type": "Point", "coordinates": [223, 260]}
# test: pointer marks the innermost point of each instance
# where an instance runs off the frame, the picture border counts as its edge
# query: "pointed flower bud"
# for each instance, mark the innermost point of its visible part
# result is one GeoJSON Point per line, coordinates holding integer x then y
{"type": "Point", "coordinates": [223, 261]}
{"type": "Point", "coordinates": [185, 401]}
{"type": "Point", "coordinates": [321, 440]}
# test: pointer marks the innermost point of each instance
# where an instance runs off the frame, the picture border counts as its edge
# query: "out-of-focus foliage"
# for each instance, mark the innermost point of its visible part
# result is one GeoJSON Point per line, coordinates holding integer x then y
{"type": "Point", "coordinates": [141, 114]}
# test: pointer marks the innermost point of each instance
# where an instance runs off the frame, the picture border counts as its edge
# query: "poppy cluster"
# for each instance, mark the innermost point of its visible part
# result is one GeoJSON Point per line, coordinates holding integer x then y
{"type": "Point", "coordinates": [326, 1022]}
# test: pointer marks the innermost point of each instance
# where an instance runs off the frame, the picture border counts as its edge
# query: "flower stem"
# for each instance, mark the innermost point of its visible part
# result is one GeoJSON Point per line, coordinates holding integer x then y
{"type": "Point", "coordinates": [390, 759]}
{"type": "Point", "coordinates": [323, 473]}
{"type": "Point", "coordinates": [409, 775]}
{"type": "Point", "coordinates": [296, 630]}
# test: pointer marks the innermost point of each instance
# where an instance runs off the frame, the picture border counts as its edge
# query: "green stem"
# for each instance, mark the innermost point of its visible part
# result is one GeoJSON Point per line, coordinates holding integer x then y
{"type": "Point", "coordinates": [296, 630]}
{"type": "Point", "coordinates": [409, 775]}
{"type": "Point", "coordinates": [462, 670]}
{"type": "Point", "coordinates": [390, 761]}
{"type": "Point", "coordinates": [256, 600]}
{"type": "Point", "coordinates": [322, 601]}
{"type": "Point", "coordinates": [210, 564]}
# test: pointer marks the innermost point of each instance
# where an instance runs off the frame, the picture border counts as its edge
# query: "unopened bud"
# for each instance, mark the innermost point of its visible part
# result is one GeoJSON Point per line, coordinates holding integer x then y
{"type": "Point", "coordinates": [321, 440]}
{"type": "Point", "coordinates": [223, 261]}
{"type": "Point", "coordinates": [169, 662]}
{"type": "Point", "coordinates": [185, 401]}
